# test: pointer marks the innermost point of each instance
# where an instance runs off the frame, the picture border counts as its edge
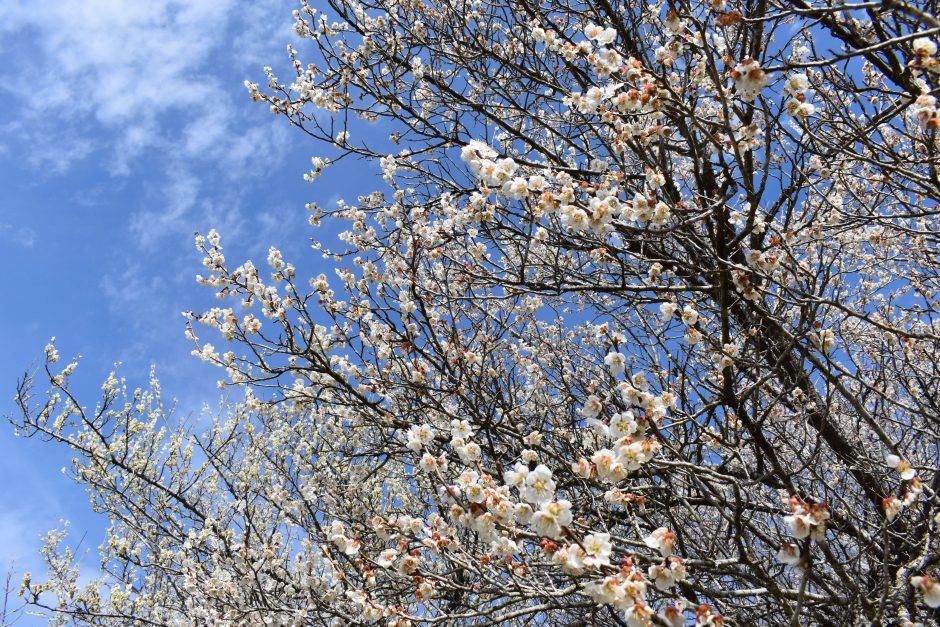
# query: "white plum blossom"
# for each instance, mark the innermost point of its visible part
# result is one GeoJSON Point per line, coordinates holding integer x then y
{"type": "Point", "coordinates": [924, 47]}
{"type": "Point", "coordinates": [806, 520]}
{"type": "Point", "coordinates": [662, 540]}
{"type": "Point", "coordinates": [602, 36]}
{"type": "Point", "coordinates": [825, 340]}
{"type": "Point", "coordinates": [901, 466]}
{"type": "Point", "coordinates": [592, 407]}
{"type": "Point", "coordinates": [928, 588]}
{"type": "Point", "coordinates": [667, 574]}
{"type": "Point", "coordinates": [469, 452]}
{"type": "Point", "coordinates": [609, 465]}
{"type": "Point", "coordinates": [539, 487]}
{"type": "Point", "coordinates": [789, 554]}
{"type": "Point", "coordinates": [616, 362]}
{"type": "Point", "coordinates": [431, 464]}
{"type": "Point", "coordinates": [622, 425]}
{"type": "Point", "coordinates": [597, 549]}
{"type": "Point", "coordinates": [387, 557]}
{"type": "Point", "coordinates": [749, 79]}
{"type": "Point", "coordinates": [668, 310]}
{"type": "Point", "coordinates": [516, 476]}
{"type": "Point", "coordinates": [551, 518]}
{"type": "Point", "coordinates": [345, 544]}
{"type": "Point", "coordinates": [420, 436]}
{"type": "Point", "coordinates": [892, 507]}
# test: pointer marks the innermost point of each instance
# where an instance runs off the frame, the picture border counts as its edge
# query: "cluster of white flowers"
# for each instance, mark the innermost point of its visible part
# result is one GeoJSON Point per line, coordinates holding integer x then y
{"type": "Point", "coordinates": [590, 101]}
{"type": "Point", "coordinates": [924, 112]}
{"type": "Point", "coordinates": [555, 193]}
{"type": "Point", "coordinates": [483, 161]}
{"type": "Point", "coordinates": [603, 36]}
{"type": "Point", "coordinates": [431, 464]}
{"type": "Point", "coordinates": [766, 261]}
{"type": "Point", "coordinates": [749, 79]}
{"type": "Point", "coordinates": [467, 450]}
{"type": "Point", "coordinates": [389, 167]}
{"type": "Point", "coordinates": [549, 37]}
{"type": "Point", "coordinates": [824, 340]}
{"type": "Point", "coordinates": [535, 487]}
{"type": "Point", "coordinates": [645, 208]}
{"type": "Point", "coordinates": [662, 540]}
{"type": "Point", "coordinates": [805, 520]}
{"type": "Point", "coordinates": [892, 506]}
{"type": "Point", "coordinates": [925, 54]}
{"type": "Point", "coordinates": [575, 560]}
{"type": "Point", "coordinates": [667, 574]}
{"type": "Point", "coordinates": [341, 539]}
{"type": "Point", "coordinates": [419, 437]}
{"type": "Point", "coordinates": [318, 164]}
{"type": "Point", "coordinates": [627, 591]}
{"type": "Point", "coordinates": [689, 317]}
{"type": "Point", "coordinates": [795, 89]}
{"type": "Point", "coordinates": [727, 355]}
{"type": "Point", "coordinates": [614, 465]}
{"type": "Point", "coordinates": [928, 588]}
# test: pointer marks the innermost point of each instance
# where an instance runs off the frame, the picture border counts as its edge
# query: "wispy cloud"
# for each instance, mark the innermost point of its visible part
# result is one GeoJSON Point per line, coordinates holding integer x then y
{"type": "Point", "coordinates": [18, 540]}
{"type": "Point", "coordinates": [19, 235]}
{"type": "Point", "coordinates": [132, 82]}
{"type": "Point", "coordinates": [178, 197]}
{"type": "Point", "coordinates": [119, 61]}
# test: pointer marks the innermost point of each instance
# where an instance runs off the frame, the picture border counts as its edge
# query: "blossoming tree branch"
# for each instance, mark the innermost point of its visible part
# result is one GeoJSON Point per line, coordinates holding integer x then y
{"type": "Point", "coordinates": [640, 328]}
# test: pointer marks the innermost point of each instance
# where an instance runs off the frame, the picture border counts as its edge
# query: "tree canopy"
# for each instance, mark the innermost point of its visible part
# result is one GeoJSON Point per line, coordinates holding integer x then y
{"type": "Point", "coordinates": [641, 328]}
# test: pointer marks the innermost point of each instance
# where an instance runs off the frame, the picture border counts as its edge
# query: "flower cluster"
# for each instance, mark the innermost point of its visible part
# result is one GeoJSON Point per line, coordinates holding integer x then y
{"type": "Point", "coordinates": [749, 79]}
{"type": "Point", "coordinates": [796, 88]}
{"type": "Point", "coordinates": [627, 590]}
{"type": "Point", "coordinates": [806, 520]}
{"type": "Point", "coordinates": [928, 588]}
{"type": "Point", "coordinates": [925, 55]}
{"type": "Point", "coordinates": [924, 112]}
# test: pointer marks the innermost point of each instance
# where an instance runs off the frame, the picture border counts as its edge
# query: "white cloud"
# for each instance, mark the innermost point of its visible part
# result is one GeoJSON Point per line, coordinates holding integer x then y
{"type": "Point", "coordinates": [18, 540]}
{"type": "Point", "coordinates": [124, 81]}
{"type": "Point", "coordinates": [121, 61]}
{"type": "Point", "coordinates": [253, 43]}
{"type": "Point", "coordinates": [19, 235]}
{"type": "Point", "coordinates": [176, 201]}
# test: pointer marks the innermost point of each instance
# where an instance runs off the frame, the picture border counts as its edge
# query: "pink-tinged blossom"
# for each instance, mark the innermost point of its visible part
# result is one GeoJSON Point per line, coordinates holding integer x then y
{"type": "Point", "coordinates": [667, 574]}
{"type": "Point", "coordinates": [928, 589]}
{"type": "Point", "coordinates": [597, 549]}
{"type": "Point", "coordinates": [749, 79]}
{"type": "Point", "coordinates": [661, 540]}
{"type": "Point", "coordinates": [892, 507]}
{"type": "Point", "coordinates": [789, 554]}
{"type": "Point", "coordinates": [806, 520]}
{"type": "Point", "coordinates": [901, 466]}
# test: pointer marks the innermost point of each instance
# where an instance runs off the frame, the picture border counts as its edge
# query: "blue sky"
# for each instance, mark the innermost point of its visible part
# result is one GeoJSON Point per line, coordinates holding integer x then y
{"type": "Point", "coordinates": [125, 127]}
